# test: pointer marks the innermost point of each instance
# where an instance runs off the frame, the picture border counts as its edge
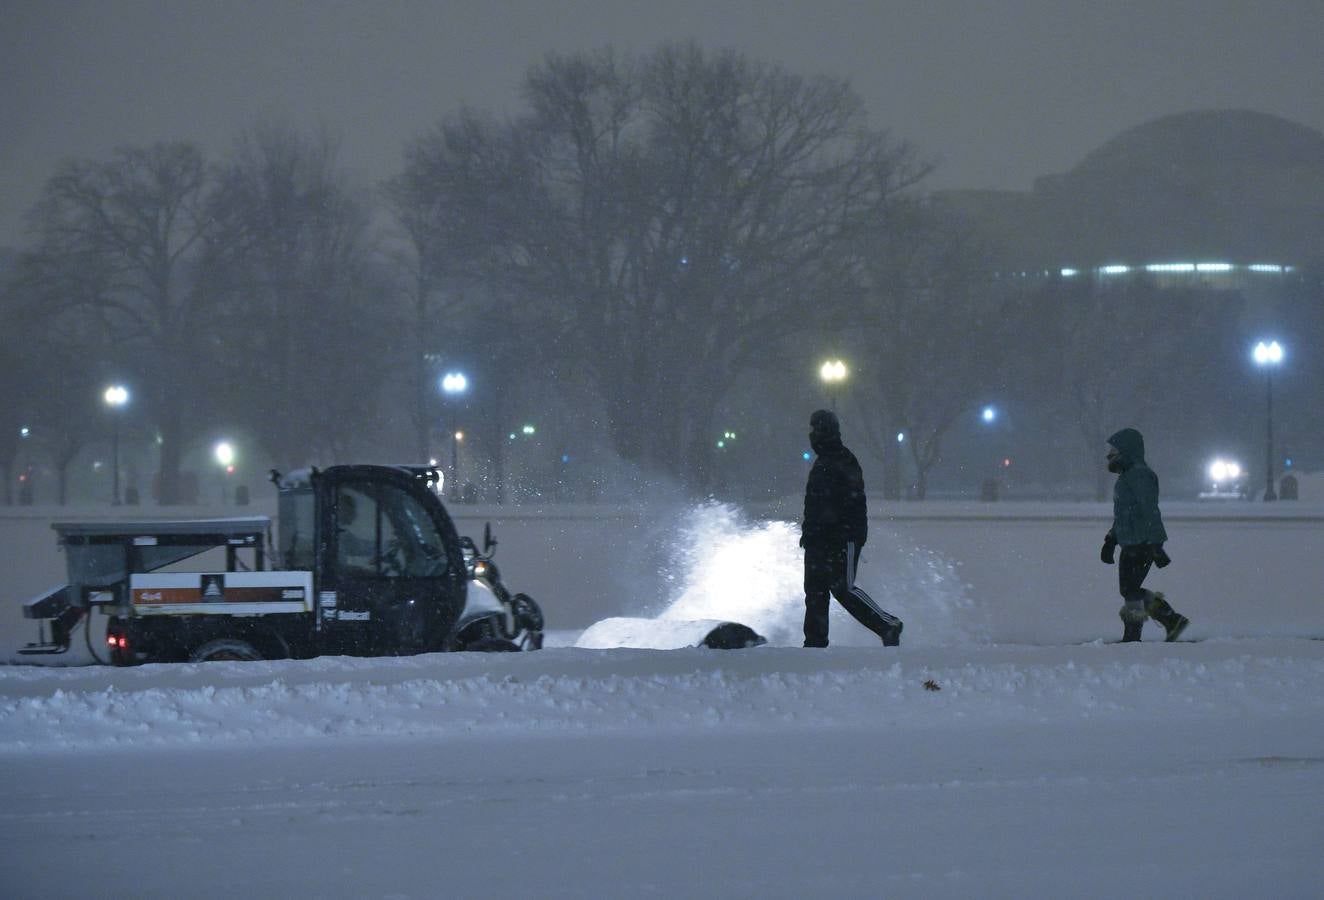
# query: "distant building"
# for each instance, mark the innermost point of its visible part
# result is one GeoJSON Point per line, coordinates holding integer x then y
{"type": "Point", "coordinates": [1228, 199]}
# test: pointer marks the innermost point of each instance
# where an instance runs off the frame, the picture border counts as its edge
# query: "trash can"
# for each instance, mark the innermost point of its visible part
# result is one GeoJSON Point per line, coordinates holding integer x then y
{"type": "Point", "coordinates": [1288, 488]}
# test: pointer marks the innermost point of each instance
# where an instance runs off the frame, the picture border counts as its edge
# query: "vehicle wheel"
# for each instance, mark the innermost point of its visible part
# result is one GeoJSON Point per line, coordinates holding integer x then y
{"type": "Point", "coordinates": [225, 649]}
{"type": "Point", "coordinates": [528, 614]}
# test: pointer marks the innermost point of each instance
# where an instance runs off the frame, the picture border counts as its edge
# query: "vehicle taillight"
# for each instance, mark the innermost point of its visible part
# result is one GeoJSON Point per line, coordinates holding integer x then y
{"type": "Point", "coordinates": [119, 641]}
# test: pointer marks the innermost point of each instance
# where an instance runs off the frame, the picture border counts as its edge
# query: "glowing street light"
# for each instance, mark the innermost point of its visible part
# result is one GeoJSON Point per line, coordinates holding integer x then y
{"type": "Point", "coordinates": [1268, 354]}
{"type": "Point", "coordinates": [453, 385]}
{"type": "Point", "coordinates": [1268, 357]}
{"type": "Point", "coordinates": [116, 397]}
{"type": "Point", "coordinates": [989, 415]}
{"type": "Point", "coordinates": [224, 452]}
{"type": "Point", "coordinates": [833, 372]}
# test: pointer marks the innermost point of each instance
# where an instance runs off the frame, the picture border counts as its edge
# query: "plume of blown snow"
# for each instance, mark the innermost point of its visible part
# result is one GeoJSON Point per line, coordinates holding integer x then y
{"type": "Point", "coordinates": [724, 566]}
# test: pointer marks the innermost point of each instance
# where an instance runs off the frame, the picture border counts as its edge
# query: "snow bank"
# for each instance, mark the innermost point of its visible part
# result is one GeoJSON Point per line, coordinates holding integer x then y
{"type": "Point", "coordinates": [571, 692]}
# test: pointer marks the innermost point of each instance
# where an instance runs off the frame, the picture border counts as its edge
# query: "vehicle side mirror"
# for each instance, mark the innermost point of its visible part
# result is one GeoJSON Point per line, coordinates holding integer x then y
{"type": "Point", "coordinates": [488, 541]}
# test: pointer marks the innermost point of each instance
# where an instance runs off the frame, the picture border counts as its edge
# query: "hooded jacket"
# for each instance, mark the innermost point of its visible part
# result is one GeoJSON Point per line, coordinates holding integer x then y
{"type": "Point", "coordinates": [1136, 517]}
{"type": "Point", "coordinates": [835, 508]}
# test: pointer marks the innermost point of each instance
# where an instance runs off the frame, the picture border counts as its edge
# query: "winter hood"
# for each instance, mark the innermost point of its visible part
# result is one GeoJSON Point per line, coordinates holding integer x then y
{"type": "Point", "coordinates": [1130, 444]}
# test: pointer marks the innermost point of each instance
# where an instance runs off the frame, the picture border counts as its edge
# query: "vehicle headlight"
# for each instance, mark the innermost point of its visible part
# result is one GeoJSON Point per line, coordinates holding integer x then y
{"type": "Point", "coordinates": [1221, 470]}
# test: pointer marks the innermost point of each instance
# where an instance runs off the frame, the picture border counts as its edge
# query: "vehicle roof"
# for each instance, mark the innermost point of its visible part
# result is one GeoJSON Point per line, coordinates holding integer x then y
{"type": "Point", "coordinates": [234, 526]}
{"type": "Point", "coordinates": [299, 479]}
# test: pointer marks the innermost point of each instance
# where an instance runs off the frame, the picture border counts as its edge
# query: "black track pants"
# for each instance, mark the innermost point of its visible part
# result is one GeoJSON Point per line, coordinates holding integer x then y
{"type": "Point", "coordinates": [1132, 567]}
{"type": "Point", "coordinates": [831, 568]}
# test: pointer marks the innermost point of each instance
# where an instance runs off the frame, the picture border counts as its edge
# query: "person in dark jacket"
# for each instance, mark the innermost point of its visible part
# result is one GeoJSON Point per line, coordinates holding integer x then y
{"type": "Point", "coordinates": [1138, 530]}
{"type": "Point", "coordinates": [833, 533]}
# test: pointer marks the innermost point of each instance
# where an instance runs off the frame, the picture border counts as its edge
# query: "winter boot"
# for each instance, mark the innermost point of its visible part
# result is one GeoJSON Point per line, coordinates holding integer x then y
{"type": "Point", "coordinates": [892, 636]}
{"type": "Point", "coordinates": [1133, 621]}
{"type": "Point", "coordinates": [1173, 622]}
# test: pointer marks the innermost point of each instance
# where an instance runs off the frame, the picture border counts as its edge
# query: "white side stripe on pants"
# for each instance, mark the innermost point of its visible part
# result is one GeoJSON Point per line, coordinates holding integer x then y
{"type": "Point", "coordinates": [858, 591]}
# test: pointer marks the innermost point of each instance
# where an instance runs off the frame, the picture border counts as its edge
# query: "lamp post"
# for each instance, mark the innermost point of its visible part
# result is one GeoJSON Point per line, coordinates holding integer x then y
{"type": "Point", "coordinates": [1268, 356]}
{"type": "Point", "coordinates": [833, 372]}
{"type": "Point", "coordinates": [116, 396]}
{"type": "Point", "coordinates": [453, 385]}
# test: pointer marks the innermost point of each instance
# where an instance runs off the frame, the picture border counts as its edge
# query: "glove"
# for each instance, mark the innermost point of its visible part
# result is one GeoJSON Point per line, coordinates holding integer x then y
{"type": "Point", "coordinates": [1161, 557]}
{"type": "Point", "coordinates": [1109, 546]}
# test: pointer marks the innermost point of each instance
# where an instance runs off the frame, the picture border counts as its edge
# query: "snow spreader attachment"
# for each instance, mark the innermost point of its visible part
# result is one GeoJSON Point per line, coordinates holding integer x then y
{"type": "Point", "coordinates": [104, 558]}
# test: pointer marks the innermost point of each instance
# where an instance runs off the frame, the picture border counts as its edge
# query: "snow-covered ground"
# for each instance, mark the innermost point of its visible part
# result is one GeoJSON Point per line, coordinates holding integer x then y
{"type": "Point", "coordinates": [990, 755]}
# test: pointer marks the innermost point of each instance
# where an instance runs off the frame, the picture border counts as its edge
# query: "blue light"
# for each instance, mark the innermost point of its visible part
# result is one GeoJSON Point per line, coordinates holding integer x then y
{"type": "Point", "coordinates": [1288, 462]}
{"type": "Point", "coordinates": [989, 414]}
{"type": "Point", "coordinates": [565, 457]}
{"type": "Point", "coordinates": [806, 456]}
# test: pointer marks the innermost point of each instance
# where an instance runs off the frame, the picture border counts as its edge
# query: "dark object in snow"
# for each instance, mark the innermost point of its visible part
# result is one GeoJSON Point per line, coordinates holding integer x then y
{"type": "Point", "coordinates": [931, 685]}
{"type": "Point", "coordinates": [733, 636]}
{"type": "Point", "coordinates": [668, 634]}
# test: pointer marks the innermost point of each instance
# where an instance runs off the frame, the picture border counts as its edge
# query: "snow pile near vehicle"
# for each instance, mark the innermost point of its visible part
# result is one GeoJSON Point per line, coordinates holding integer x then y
{"type": "Point", "coordinates": [727, 568]}
{"type": "Point", "coordinates": [576, 692]}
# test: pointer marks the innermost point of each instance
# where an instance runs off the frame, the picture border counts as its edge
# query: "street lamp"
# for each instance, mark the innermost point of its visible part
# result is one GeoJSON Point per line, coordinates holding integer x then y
{"type": "Point", "coordinates": [989, 415]}
{"type": "Point", "coordinates": [225, 455]}
{"type": "Point", "coordinates": [833, 372]}
{"type": "Point", "coordinates": [1267, 357]}
{"type": "Point", "coordinates": [116, 396]}
{"type": "Point", "coordinates": [453, 385]}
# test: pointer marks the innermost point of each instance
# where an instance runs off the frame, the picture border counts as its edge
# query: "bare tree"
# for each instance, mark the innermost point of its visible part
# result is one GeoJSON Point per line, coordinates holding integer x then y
{"type": "Point", "coordinates": [58, 353]}
{"type": "Point", "coordinates": [666, 220]}
{"type": "Point", "coordinates": [301, 307]}
{"type": "Point", "coordinates": [1130, 353]}
{"type": "Point", "coordinates": [934, 339]}
{"type": "Point", "coordinates": [434, 258]}
{"type": "Point", "coordinates": [20, 373]}
{"type": "Point", "coordinates": [119, 236]}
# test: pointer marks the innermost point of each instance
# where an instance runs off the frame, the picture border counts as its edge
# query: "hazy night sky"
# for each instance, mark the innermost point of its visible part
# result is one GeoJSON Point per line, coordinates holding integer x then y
{"type": "Point", "coordinates": [998, 92]}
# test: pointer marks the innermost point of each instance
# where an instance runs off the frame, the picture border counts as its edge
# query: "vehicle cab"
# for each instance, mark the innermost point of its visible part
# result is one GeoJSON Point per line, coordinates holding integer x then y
{"type": "Point", "coordinates": [388, 566]}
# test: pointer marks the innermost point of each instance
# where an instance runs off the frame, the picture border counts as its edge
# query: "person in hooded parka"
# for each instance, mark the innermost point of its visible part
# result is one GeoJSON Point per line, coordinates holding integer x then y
{"type": "Point", "coordinates": [1138, 530]}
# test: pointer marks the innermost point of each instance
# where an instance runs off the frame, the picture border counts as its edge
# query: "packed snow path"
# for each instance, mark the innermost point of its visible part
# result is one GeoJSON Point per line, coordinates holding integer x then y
{"type": "Point", "coordinates": [1103, 770]}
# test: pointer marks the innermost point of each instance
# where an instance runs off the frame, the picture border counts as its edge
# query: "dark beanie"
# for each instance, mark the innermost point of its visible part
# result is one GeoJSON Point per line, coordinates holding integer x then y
{"type": "Point", "coordinates": [825, 422]}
